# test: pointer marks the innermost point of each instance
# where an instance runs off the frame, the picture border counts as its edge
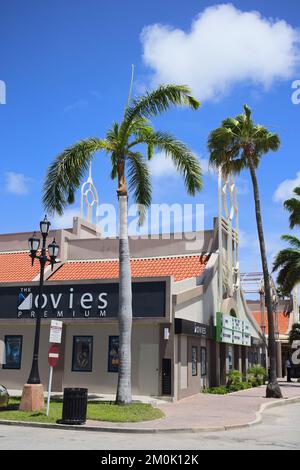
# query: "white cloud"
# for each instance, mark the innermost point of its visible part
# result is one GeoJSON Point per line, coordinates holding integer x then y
{"type": "Point", "coordinates": [161, 166]}
{"type": "Point", "coordinates": [65, 220]}
{"type": "Point", "coordinates": [225, 46]}
{"type": "Point", "coordinates": [17, 183]}
{"type": "Point", "coordinates": [286, 188]}
{"type": "Point", "coordinates": [242, 186]}
{"type": "Point", "coordinates": [78, 105]}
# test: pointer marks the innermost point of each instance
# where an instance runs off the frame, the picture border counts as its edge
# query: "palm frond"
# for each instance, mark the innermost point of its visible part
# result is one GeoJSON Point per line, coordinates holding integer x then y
{"type": "Point", "coordinates": [66, 172]}
{"type": "Point", "coordinates": [287, 262]}
{"type": "Point", "coordinates": [293, 207]}
{"type": "Point", "coordinates": [292, 240]}
{"type": "Point", "coordinates": [297, 191]}
{"type": "Point", "coordinates": [156, 102]}
{"type": "Point", "coordinates": [229, 144]}
{"type": "Point", "coordinates": [184, 160]}
{"type": "Point", "coordinates": [139, 181]}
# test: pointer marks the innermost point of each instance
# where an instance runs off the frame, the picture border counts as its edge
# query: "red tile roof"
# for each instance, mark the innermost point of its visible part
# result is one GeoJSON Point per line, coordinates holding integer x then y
{"type": "Point", "coordinates": [283, 321]}
{"type": "Point", "coordinates": [180, 267]}
{"type": "Point", "coordinates": [16, 267]}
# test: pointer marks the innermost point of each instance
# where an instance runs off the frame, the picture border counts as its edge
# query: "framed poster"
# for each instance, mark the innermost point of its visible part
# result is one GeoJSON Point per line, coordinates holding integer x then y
{"type": "Point", "coordinates": [194, 361]}
{"type": "Point", "coordinates": [82, 354]}
{"type": "Point", "coordinates": [113, 354]}
{"type": "Point", "coordinates": [203, 362]}
{"type": "Point", "coordinates": [13, 352]}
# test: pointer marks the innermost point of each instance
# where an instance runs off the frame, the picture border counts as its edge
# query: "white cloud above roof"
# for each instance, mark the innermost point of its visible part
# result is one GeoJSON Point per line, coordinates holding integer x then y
{"type": "Point", "coordinates": [225, 46]}
{"type": "Point", "coordinates": [285, 189]}
{"type": "Point", "coordinates": [17, 183]}
{"type": "Point", "coordinates": [65, 220]}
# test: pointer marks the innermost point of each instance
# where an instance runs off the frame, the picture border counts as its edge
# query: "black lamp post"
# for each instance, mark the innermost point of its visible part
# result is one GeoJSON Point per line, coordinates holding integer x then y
{"type": "Point", "coordinates": [53, 249]}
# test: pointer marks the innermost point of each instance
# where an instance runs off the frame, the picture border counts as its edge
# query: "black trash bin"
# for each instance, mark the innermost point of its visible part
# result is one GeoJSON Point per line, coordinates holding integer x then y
{"type": "Point", "coordinates": [74, 406]}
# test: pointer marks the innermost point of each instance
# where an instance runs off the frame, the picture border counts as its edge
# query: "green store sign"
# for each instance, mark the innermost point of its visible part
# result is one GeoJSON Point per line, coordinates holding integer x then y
{"type": "Point", "coordinates": [232, 330]}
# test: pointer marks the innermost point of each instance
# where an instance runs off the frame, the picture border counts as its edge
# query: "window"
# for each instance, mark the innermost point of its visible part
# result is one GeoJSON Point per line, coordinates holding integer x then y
{"type": "Point", "coordinates": [194, 361]}
{"type": "Point", "coordinates": [13, 352]}
{"type": "Point", "coordinates": [82, 354]}
{"type": "Point", "coordinates": [203, 362]}
{"type": "Point", "coordinates": [113, 354]}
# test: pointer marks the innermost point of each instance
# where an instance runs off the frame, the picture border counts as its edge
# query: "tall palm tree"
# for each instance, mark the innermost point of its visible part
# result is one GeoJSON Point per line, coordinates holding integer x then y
{"type": "Point", "coordinates": [122, 144]}
{"type": "Point", "coordinates": [287, 261]}
{"type": "Point", "coordinates": [237, 145]}
{"type": "Point", "coordinates": [293, 207]}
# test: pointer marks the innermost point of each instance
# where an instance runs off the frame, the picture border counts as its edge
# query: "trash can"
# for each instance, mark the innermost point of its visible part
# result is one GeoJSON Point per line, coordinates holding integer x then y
{"type": "Point", "coordinates": [74, 406]}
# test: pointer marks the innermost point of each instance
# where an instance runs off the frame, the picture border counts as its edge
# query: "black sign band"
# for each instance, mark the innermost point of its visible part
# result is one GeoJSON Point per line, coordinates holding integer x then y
{"type": "Point", "coordinates": [186, 327]}
{"type": "Point", "coordinates": [82, 300]}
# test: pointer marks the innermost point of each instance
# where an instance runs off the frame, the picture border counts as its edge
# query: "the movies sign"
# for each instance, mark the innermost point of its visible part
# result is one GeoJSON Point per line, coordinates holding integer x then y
{"type": "Point", "coordinates": [81, 301]}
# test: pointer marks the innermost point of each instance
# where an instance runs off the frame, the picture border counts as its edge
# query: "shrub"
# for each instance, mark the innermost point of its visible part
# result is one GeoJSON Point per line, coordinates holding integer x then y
{"type": "Point", "coordinates": [216, 390]}
{"type": "Point", "coordinates": [238, 387]}
{"type": "Point", "coordinates": [257, 375]}
{"type": "Point", "coordinates": [234, 378]}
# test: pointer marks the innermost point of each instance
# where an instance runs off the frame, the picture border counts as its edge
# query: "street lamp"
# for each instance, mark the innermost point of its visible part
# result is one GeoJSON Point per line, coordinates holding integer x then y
{"type": "Point", "coordinates": [53, 249]}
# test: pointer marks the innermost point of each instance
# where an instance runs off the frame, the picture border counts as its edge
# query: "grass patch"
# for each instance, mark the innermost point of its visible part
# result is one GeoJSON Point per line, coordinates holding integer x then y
{"type": "Point", "coordinates": [98, 411]}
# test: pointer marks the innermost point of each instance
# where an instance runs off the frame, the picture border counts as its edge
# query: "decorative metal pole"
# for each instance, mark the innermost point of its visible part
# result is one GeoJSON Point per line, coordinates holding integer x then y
{"type": "Point", "coordinates": [53, 248]}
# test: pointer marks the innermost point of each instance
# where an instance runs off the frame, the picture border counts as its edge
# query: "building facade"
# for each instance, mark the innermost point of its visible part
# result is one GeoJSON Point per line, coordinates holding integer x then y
{"type": "Point", "coordinates": [190, 326]}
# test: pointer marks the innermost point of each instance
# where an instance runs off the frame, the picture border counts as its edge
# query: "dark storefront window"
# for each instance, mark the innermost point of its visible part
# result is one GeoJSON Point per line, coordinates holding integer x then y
{"type": "Point", "coordinates": [203, 362]}
{"type": "Point", "coordinates": [13, 352]}
{"type": "Point", "coordinates": [194, 361]}
{"type": "Point", "coordinates": [82, 354]}
{"type": "Point", "coordinates": [113, 354]}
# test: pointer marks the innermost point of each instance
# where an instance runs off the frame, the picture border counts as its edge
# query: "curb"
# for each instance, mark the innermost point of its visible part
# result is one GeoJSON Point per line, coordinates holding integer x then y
{"type": "Point", "coordinates": [229, 427]}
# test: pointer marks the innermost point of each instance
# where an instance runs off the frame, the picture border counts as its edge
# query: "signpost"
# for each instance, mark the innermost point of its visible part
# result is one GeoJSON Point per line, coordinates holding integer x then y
{"type": "Point", "coordinates": [55, 331]}
{"type": "Point", "coordinates": [53, 354]}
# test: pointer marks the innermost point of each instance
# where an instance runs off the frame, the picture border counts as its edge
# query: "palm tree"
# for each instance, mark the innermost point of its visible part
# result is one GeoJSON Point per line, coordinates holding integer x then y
{"type": "Point", "coordinates": [237, 145]}
{"type": "Point", "coordinates": [287, 261]}
{"type": "Point", "coordinates": [122, 144]}
{"type": "Point", "coordinates": [293, 206]}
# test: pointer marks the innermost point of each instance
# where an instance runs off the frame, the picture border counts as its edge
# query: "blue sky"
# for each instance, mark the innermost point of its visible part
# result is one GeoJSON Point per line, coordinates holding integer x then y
{"type": "Point", "coordinates": [66, 65]}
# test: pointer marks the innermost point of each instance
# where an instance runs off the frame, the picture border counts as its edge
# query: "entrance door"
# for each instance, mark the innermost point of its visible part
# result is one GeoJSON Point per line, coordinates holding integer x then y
{"type": "Point", "coordinates": [166, 377]}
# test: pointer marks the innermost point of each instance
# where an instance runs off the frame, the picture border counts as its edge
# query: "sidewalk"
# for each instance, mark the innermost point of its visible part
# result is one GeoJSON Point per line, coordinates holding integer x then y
{"type": "Point", "coordinates": [201, 412]}
{"type": "Point", "coordinates": [208, 412]}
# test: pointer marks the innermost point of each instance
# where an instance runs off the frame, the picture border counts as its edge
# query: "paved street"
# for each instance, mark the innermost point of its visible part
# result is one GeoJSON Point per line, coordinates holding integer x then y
{"type": "Point", "coordinates": [280, 430]}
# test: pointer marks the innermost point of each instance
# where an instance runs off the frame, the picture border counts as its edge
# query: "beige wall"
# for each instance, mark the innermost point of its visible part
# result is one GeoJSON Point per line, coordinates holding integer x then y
{"type": "Point", "coordinates": [14, 379]}
{"type": "Point", "coordinates": [145, 359]}
{"type": "Point", "coordinates": [191, 310]}
{"type": "Point", "coordinates": [187, 383]}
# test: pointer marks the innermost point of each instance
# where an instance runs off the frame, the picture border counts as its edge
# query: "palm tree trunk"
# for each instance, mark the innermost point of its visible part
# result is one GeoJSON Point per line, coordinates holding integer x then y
{"type": "Point", "coordinates": [273, 389]}
{"type": "Point", "coordinates": [125, 306]}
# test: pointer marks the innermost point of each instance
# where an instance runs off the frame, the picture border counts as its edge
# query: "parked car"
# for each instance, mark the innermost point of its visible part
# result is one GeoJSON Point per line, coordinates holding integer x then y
{"type": "Point", "coordinates": [4, 397]}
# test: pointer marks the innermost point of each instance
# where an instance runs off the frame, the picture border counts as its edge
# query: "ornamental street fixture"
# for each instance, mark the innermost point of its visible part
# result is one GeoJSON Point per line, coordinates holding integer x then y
{"type": "Point", "coordinates": [53, 249]}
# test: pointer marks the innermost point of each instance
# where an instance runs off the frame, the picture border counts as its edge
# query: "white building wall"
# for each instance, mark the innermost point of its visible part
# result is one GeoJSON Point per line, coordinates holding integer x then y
{"type": "Point", "coordinates": [191, 310]}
